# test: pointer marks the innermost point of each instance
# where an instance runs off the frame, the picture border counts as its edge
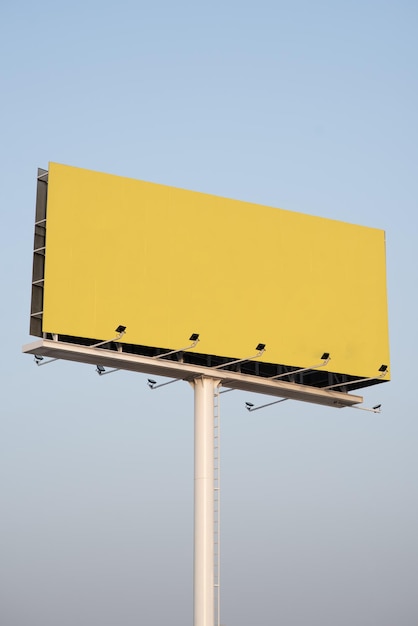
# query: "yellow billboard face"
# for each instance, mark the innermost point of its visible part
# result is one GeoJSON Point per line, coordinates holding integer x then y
{"type": "Point", "coordinates": [167, 262]}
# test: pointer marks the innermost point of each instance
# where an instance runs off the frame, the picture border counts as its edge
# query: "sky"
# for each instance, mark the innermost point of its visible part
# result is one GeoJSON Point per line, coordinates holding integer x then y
{"type": "Point", "coordinates": [307, 106]}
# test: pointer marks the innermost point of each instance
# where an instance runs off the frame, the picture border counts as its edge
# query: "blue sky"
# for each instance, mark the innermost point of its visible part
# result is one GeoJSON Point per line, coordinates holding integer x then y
{"type": "Point", "coordinates": [306, 106]}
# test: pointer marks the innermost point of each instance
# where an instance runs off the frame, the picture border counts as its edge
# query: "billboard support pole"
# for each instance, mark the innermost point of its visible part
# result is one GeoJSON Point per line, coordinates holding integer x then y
{"type": "Point", "coordinates": [203, 593]}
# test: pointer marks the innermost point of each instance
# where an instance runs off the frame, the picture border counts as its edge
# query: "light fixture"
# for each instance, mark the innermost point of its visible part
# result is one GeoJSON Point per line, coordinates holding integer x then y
{"type": "Point", "coordinates": [194, 338]}
{"type": "Point", "coordinates": [103, 371]}
{"type": "Point", "coordinates": [121, 330]}
{"type": "Point", "coordinates": [250, 406]}
{"type": "Point", "coordinates": [40, 360]}
{"type": "Point", "coordinates": [152, 384]}
{"type": "Point", "coordinates": [325, 358]}
{"type": "Point", "coordinates": [383, 369]}
{"type": "Point", "coordinates": [261, 348]}
{"type": "Point", "coordinates": [375, 409]}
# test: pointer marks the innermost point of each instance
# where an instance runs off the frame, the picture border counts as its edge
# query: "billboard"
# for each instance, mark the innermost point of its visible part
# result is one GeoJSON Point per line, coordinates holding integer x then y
{"type": "Point", "coordinates": [167, 263]}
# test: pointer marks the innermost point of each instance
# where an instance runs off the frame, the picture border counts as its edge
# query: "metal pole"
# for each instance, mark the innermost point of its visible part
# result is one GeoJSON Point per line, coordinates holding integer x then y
{"type": "Point", "coordinates": [204, 388]}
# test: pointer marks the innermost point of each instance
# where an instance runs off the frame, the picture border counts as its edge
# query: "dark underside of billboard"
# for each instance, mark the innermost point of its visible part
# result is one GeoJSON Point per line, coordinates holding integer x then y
{"type": "Point", "coordinates": [322, 379]}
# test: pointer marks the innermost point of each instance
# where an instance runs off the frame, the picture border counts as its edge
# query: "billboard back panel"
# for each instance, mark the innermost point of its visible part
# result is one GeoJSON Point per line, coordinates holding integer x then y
{"type": "Point", "coordinates": [167, 262]}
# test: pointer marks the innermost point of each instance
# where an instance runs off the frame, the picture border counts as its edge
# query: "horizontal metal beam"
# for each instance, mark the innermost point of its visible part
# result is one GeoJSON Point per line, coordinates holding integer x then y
{"type": "Point", "coordinates": [186, 371]}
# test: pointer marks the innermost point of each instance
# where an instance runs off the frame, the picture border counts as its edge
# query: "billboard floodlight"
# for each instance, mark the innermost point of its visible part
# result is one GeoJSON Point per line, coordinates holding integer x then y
{"type": "Point", "coordinates": [383, 369]}
{"type": "Point", "coordinates": [325, 359]}
{"type": "Point", "coordinates": [121, 330]}
{"type": "Point", "coordinates": [250, 406]}
{"type": "Point", "coordinates": [38, 360]}
{"type": "Point", "coordinates": [102, 370]}
{"type": "Point", "coordinates": [152, 384]}
{"type": "Point", "coordinates": [374, 409]}
{"type": "Point", "coordinates": [194, 338]}
{"type": "Point", "coordinates": [261, 347]}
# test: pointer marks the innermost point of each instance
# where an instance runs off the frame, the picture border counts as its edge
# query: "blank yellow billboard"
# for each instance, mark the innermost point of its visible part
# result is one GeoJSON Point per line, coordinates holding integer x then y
{"type": "Point", "coordinates": [166, 263]}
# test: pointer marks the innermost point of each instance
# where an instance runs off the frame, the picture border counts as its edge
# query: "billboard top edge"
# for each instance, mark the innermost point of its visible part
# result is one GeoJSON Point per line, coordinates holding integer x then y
{"type": "Point", "coordinates": [250, 203]}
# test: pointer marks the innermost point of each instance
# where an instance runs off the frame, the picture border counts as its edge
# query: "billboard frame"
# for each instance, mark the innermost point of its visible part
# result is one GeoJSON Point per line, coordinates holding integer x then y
{"type": "Point", "coordinates": [293, 372]}
{"type": "Point", "coordinates": [119, 359]}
